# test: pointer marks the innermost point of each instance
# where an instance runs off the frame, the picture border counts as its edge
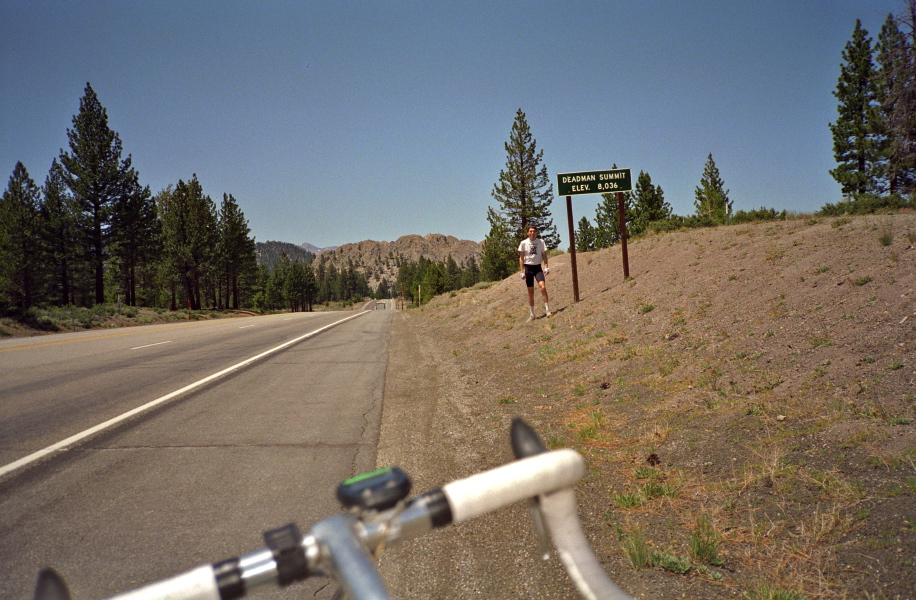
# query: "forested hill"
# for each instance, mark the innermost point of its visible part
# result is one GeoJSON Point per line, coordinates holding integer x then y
{"type": "Point", "coordinates": [269, 253]}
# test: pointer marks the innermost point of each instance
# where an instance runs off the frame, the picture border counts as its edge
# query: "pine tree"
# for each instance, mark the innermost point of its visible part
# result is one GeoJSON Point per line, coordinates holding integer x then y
{"type": "Point", "coordinates": [585, 236]}
{"type": "Point", "coordinates": [21, 251]}
{"type": "Point", "coordinates": [310, 287]}
{"type": "Point", "coordinates": [236, 248]}
{"type": "Point", "coordinates": [856, 131]}
{"type": "Point", "coordinates": [58, 234]}
{"type": "Point", "coordinates": [135, 235]}
{"type": "Point", "coordinates": [500, 249]}
{"type": "Point", "coordinates": [524, 191]}
{"type": "Point", "coordinates": [607, 218]}
{"type": "Point", "coordinates": [712, 202]}
{"type": "Point", "coordinates": [189, 236]}
{"type": "Point", "coordinates": [648, 205]}
{"type": "Point", "coordinates": [895, 57]}
{"type": "Point", "coordinates": [94, 172]}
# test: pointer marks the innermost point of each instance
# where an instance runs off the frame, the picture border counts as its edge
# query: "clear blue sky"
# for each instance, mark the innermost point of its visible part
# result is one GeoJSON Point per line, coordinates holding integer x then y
{"type": "Point", "coordinates": [337, 121]}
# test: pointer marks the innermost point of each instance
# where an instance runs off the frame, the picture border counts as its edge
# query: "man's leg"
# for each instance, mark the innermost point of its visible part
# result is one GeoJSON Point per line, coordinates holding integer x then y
{"type": "Point", "coordinates": [530, 302]}
{"type": "Point", "coordinates": [543, 287]}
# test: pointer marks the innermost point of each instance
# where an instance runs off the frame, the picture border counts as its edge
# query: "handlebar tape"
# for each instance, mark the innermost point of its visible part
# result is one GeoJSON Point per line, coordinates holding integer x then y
{"type": "Point", "coordinates": [199, 584]}
{"type": "Point", "coordinates": [581, 563]}
{"type": "Point", "coordinates": [526, 478]}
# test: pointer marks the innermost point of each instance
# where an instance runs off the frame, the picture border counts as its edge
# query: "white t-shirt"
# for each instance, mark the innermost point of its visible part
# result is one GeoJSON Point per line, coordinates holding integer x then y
{"type": "Point", "coordinates": [533, 251]}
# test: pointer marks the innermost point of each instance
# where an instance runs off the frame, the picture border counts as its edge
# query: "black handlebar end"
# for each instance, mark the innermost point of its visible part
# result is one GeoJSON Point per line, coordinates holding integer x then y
{"type": "Point", "coordinates": [525, 440]}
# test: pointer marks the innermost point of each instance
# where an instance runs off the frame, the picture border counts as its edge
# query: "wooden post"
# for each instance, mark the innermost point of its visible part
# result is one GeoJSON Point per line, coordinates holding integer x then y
{"type": "Point", "coordinates": [572, 249]}
{"type": "Point", "coordinates": [621, 210]}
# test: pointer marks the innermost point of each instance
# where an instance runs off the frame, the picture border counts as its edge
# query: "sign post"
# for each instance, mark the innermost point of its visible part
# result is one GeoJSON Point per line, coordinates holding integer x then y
{"type": "Point", "coordinates": [615, 181]}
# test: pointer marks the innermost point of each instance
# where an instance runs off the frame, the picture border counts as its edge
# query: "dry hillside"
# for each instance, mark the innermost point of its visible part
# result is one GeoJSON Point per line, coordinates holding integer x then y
{"type": "Point", "coordinates": [745, 401]}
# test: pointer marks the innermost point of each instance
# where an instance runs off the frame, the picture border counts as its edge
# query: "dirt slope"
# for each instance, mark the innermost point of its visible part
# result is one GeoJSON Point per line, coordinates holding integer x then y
{"type": "Point", "coordinates": [760, 379]}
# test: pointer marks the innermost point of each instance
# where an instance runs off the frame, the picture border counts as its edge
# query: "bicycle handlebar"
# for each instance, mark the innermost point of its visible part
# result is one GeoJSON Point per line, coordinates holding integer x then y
{"type": "Point", "coordinates": [343, 545]}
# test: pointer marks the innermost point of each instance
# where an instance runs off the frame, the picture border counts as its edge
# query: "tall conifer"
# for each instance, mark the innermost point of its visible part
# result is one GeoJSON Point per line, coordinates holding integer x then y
{"type": "Point", "coordinates": [712, 200]}
{"type": "Point", "coordinates": [524, 191]}
{"type": "Point", "coordinates": [21, 249]}
{"type": "Point", "coordinates": [895, 59]}
{"type": "Point", "coordinates": [58, 216]}
{"type": "Point", "coordinates": [94, 172]}
{"type": "Point", "coordinates": [856, 131]}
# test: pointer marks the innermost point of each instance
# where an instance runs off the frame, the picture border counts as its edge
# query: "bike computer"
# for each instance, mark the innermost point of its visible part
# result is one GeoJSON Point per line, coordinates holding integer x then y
{"type": "Point", "coordinates": [378, 490]}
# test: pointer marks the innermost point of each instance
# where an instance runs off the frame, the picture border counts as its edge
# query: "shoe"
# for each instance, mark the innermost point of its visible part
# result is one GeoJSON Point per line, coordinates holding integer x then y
{"type": "Point", "coordinates": [530, 319]}
{"type": "Point", "coordinates": [549, 314]}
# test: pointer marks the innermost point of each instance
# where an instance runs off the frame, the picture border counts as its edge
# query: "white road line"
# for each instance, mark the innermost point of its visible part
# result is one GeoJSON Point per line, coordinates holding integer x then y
{"type": "Point", "coordinates": [140, 409]}
{"type": "Point", "coordinates": [246, 326]}
{"type": "Point", "coordinates": [148, 345]}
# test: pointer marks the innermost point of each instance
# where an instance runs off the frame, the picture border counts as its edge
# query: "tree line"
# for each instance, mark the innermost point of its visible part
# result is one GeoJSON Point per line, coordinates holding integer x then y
{"type": "Point", "coordinates": [420, 280]}
{"type": "Point", "coordinates": [874, 136]}
{"type": "Point", "coordinates": [93, 234]}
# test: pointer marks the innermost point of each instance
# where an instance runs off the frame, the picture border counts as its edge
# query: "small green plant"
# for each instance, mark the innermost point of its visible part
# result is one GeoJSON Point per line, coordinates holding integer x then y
{"type": "Point", "coordinates": [628, 500]}
{"type": "Point", "coordinates": [671, 562]}
{"type": "Point", "coordinates": [895, 365]}
{"type": "Point", "coordinates": [656, 489]}
{"type": "Point", "coordinates": [507, 400]}
{"type": "Point", "coordinates": [634, 544]}
{"type": "Point", "coordinates": [579, 390]}
{"type": "Point", "coordinates": [862, 280]}
{"type": "Point", "coordinates": [765, 592]}
{"type": "Point", "coordinates": [704, 543]}
{"type": "Point", "coordinates": [886, 238]}
{"type": "Point", "coordinates": [646, 473]}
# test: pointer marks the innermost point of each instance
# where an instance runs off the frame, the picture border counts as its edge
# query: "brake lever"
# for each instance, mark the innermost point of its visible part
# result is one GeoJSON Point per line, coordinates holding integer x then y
{"type": "Point", "coordinates": [526, 442]}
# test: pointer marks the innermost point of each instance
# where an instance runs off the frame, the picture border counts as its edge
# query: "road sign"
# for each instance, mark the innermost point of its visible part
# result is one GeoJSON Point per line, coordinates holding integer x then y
{"type": "Point", "coordinates": [594, 182]}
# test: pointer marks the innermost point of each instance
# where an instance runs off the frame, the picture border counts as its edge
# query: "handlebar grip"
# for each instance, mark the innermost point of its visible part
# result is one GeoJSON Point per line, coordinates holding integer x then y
{"type": "Point", "coordinates": [199, 584]}
{"type": "Point", "coordinates": [526, 478]}
{"type": "Point", "coordinates": [562, 520]}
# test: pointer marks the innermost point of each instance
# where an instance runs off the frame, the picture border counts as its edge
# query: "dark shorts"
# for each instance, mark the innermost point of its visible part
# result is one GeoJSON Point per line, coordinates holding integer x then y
{"type": "Point", "coordinates": [533, 272]}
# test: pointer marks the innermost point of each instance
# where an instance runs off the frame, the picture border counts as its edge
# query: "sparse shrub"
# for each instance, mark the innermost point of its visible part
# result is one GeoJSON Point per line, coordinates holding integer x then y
{"type": "Point", "coordinates": [863, 204]}
{"type": "Point", "coordinates": [761, 214]}
{"type": "Point", "coordinates": [638, 550]}
{"type": "Point", "coordinates": [647, 473]}
{"type": "Point", "coordinates": [628, 500]}
{"type": "Point", "coordinates": [671, 562]}
{"type": "Point", "coordinates": [704, 543]}
{"type": "Point", "coordinates": [656, 489]}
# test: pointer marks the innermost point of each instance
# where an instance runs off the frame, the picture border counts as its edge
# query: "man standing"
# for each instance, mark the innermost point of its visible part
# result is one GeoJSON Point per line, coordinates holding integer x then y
{"type": "Point", "coordinates": [532, 253]}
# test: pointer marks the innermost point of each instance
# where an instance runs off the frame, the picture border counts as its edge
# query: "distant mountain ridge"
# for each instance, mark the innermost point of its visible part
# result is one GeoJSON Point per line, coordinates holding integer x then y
{"type": "Point", "coordinates": [382, 259]}
{"type": "Point", "coordinates": [315, 249]}
{"type": "Point", "coordinates": [268, 253]}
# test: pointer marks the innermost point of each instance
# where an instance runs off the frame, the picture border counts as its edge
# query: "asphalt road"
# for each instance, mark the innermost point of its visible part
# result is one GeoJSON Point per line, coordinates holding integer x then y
{"type": "Point", "coordinates": [197, 478]}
